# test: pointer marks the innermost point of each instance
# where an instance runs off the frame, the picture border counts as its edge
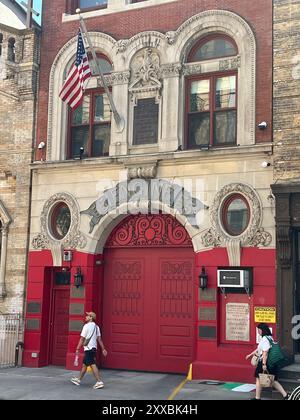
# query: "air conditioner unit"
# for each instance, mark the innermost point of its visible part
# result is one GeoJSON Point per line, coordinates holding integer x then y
{"type": "Point", "coordinates": [234, 279]}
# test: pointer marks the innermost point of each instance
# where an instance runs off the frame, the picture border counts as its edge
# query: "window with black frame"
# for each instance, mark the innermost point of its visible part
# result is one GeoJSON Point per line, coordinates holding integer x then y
{"type": "Point", "coordinates": [212, 98]}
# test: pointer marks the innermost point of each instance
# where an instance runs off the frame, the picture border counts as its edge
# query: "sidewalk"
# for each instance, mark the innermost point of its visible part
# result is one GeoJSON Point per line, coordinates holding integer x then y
{"type": "Point", "coordinates": [52, 383]}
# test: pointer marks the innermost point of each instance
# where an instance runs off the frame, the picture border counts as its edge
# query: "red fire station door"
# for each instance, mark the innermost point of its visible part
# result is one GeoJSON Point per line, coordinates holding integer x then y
{"type": "Point", "coordinates": [148, 319]}
{"type": "Point", "coordinates": [60, 327]}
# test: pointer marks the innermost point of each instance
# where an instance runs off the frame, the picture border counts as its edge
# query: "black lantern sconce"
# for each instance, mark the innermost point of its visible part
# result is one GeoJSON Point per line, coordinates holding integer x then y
{"type": "Point", "coordinates": [78, 278]}
{"type": "Point", "coordinates": [203, 279]}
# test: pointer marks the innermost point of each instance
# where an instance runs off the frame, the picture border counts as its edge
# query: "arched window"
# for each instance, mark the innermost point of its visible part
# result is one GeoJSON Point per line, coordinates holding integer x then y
{"type": "Point", "coordinates": [212, 97]}
{"type": "Point", "coordinates": [1, 42]}
{"type": "Point", "coordinates": [89, 124]}
{"type": "Point", "coordinates": [11, 51]}
{"type": "Point", "coordinates": [213, 47]}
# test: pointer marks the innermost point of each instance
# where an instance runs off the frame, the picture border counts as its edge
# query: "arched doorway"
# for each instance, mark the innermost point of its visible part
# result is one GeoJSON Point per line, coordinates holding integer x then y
{"type": "Point", "coordinates": [148, 306]}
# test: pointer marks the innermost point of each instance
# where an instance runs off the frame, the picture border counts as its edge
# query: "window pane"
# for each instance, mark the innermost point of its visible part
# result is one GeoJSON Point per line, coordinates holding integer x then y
{"type": "Point", "coordinates": [61, 221]}
{"type": "Point", "coordinates": [225, 127]}
{"type": "Point", "coordinates": [102, 109]}
{"type": "Point", "coordinates": [214, 49]}
{"type": "Point", "coordinates": [226, 92]}
{"type": "Point", "coordinates": [237, 217]}
{"type": "Point", "coordinates": [101, 140]}
{"type": "Point", "coordinates": [199, 130]}
{"type": "Point", "coordinates": [84, 4]}
{"type": "Point", "coordinates": [79, 139]}
{"type": "Point", "coordinates": [199, 99]}
{"type": "Point", "coordinates": [82, 114]}
{"type": "Point", "coordinates": [105, 66]}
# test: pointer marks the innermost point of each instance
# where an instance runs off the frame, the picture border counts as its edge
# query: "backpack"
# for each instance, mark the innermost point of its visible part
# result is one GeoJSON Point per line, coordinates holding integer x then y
{"type": "Point", "coordinates": [275, 355]}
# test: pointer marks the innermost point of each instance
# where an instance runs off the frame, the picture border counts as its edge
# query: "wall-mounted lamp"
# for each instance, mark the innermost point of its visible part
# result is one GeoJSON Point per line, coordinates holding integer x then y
{"type": "Point", "coordinates": [78, 278]}
{"type": "Point", "coordinates": [203, 279]}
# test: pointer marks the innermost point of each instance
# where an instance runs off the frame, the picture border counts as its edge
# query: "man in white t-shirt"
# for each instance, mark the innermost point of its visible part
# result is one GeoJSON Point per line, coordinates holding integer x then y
{"type": "Point", "coordinates": [89, 337]}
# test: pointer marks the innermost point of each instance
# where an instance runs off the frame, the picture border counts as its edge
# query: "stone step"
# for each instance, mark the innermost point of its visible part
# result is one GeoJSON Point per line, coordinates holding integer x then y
{"type": "Point", "coordinates": [291, 372]}
{"type": "Point", "coordinates": [297, 358]}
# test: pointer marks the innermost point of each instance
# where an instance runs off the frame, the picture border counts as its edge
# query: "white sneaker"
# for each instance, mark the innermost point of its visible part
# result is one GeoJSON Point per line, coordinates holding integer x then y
{"type": "Point", "coordinates": [75, 381]}
{"type": "Point", "coordinates": [98, 385]}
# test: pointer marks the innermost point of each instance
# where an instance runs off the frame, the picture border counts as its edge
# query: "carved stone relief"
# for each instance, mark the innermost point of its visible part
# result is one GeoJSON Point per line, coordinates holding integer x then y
{"type": "Point", "coordinates": [145, 71]}
{"type": "Point", "coordinates": [254, 235]}
{"type": "Point", "coordinates": [74, 238]}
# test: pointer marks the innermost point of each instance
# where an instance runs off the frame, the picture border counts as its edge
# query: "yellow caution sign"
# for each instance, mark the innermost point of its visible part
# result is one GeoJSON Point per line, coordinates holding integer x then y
{"type": "Point", "coordinates": [265, 314]}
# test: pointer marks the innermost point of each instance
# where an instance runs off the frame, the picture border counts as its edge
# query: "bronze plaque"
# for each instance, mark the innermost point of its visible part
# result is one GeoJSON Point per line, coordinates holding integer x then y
{"type": "Point", "coordinates": [145, 124]}
{"type": "Point", "coordinates": [34, 307]}
{"type": "Point", "coordinates": [75, 325]}
{"type": "Point", "coordinates": [238, 322]}
{"type": "Point", "coordinates": [77, 309]}
{"type": "Point", "coordinates": [207, 314]}
{"type": "Point", "coordinates": [77, 292]}
{"type": "Point", "coordinates": [208, 295]}
{"type": "Point", "coordinates": [32, 324]}
{"type": "Point", "coordinates": [208, 332]}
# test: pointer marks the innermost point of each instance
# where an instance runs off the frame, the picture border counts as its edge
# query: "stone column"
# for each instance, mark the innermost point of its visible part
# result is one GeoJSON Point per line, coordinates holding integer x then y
{"type": "Point", "coordinates": [4, 233]}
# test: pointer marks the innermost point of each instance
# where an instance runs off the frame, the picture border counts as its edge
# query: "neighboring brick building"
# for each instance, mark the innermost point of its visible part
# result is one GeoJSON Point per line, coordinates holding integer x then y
{"type": "Point", "coordinates": [19, 65]}
{"type": "Point", "coordinates": [286, 187]}
{"type": "Point", "coordinates": [192, 80]}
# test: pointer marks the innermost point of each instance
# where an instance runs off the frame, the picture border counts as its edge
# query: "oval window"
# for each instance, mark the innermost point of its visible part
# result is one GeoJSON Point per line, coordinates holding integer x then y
{"type": "Point", "coordinates": [236, 215]}
{"type": "Point", "coordinates": [60, 221]}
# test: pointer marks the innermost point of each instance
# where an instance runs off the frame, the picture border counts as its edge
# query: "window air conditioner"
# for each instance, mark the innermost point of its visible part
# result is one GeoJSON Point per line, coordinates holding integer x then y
{"type": "Point", "coordinates": [233, 278]}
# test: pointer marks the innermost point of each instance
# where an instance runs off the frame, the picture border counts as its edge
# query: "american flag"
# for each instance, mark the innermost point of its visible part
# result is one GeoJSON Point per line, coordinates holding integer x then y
{"type": "Point", "coordinates": [73, 88]}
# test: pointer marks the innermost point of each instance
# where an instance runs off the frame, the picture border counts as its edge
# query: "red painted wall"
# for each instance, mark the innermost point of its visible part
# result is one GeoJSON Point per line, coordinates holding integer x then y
{"type": "Point", "coordinates": [214, 359]}
{"type": "Point", "coordinates": [161, 18]}
{"type": "Point", "coordinates": [226, 361]}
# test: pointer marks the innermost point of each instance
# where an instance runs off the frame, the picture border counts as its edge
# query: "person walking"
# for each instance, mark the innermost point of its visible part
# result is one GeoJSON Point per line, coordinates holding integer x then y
{"type": "Point", "coordinates": [262, 352]}
{"type": "Point", "coordinates": [89, 337]}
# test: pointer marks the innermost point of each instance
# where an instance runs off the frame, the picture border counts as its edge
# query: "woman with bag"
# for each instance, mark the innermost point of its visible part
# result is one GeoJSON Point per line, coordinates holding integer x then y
{"type": "Point", "coordinates": [265, 374]}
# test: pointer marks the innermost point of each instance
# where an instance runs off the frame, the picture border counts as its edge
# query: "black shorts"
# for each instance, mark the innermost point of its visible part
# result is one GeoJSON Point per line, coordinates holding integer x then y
{"type": "Point", "coordinates": [89, 357]}
{"type": "Point", "coordinates": [271, 371]}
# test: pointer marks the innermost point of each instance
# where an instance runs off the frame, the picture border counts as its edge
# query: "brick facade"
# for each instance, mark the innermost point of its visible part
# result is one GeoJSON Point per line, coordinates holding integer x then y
{"type": "Point", "coordinates": [163, 18]}
{"type": "Point", "coordinates": [286, 187]}
{"type": "Point", "coordinates": [18, 89]}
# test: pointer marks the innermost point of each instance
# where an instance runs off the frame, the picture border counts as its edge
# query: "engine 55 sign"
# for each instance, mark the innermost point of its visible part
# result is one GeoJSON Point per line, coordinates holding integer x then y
{"type": "Point", "coordinates": [265, 314]}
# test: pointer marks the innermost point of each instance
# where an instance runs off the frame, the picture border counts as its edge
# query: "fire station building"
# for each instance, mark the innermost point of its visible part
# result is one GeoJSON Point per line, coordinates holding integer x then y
{"type": "Point", "coordinates": [161, 222]}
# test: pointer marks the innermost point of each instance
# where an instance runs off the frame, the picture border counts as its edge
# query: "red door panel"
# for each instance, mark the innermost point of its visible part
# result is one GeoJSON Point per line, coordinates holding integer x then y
{"type": "Point", "coordinates": [123, 309]}
{"type": "Point", "coordinates": [60, 326]}
{"type": "Point", "coordinates": [149, 309]}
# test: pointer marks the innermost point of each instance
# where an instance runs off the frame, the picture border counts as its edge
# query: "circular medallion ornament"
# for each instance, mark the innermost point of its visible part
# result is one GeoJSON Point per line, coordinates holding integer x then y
{"type": "Point", "coordinates": [236, 214]}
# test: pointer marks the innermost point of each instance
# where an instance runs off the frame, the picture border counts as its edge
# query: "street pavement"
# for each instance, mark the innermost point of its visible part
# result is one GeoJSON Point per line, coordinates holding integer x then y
{"type": "Point", "coordinates": [53, 383]}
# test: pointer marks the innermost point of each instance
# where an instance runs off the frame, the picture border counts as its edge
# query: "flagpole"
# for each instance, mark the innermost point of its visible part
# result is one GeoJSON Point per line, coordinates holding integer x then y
{"type": "Point", "coordinates": [118, 119]}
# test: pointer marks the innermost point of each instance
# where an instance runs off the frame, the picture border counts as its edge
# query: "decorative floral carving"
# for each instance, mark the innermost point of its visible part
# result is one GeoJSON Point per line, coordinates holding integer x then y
{"type": "Point", "coordinates": [230, 64]}
{"type": "Point", "coordinates": [73, 239]}
{"type": "Point", "coordinates": [170, 70]}
{"type": "Point", "coordinates": [211, 239]}
{"type": "Point", "coordinates": [115, 78]}
{"type": "Point", "coordinates": [261, 238]}
{"type": "Point", "coordinates": [171, 37]}
{"type": "Point", "coordinates": [41, 241]}
{"type": "Point", "coordinates": [190, 69]}
{"type": "Point", "coordinates": [149, 231]}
